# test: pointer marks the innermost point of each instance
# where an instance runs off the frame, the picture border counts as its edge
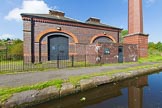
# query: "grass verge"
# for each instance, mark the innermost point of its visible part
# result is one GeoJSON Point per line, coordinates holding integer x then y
{"type": "Point", "coordinates": [75, 79]}
{"type": "Point", "coordinates": [6, 93]}
{"type": "Point", "coordinates": [151, 58]}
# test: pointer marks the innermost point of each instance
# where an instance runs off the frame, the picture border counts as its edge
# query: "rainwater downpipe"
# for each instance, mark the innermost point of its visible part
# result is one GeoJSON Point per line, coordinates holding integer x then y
{"type": "Point", "coordinates": [32, 41]}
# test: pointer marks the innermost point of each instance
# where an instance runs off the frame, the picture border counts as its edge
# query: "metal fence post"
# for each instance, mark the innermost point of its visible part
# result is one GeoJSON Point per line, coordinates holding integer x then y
{"type": "Point", "coordinates": [58, 61]}
{"type": "Point", "coordinates": [23, 63]}
{"type": "Point", "coordinates": [85, 61]}
{"type": "Point", "coordinates": [72, 59]}
{"type": "Point", "coordinates": [0, 63]}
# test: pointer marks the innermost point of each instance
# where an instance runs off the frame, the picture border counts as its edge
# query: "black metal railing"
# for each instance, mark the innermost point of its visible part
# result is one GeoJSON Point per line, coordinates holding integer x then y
{"type": "Point", "coordinates": [24, 63]}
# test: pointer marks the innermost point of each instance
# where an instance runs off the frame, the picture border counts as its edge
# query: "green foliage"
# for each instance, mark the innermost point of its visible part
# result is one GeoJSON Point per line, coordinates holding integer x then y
{"type": "Point", "coordinates": [11, 47]}
{"type": "Point", "coordinates": [17, 41]}
{"type": "Point", "coordinates": [123, 33]}
{"type": "Point", "coordinates": [5, 93]}
{"type": "Point", "coordinates": [150, 58]}
{"type": "Point", "coordinates": [16, 49]}
{"type": "Point", "coordinates": [159, 46]}
{"type": "Point", "coordinates": [155, 53]}
{"type": "Point", "coordinates": [152, 45]}
{"type": "Point", "coordinates": [155, 48]}
{"type": "Point", "coordinates": [2, 43]}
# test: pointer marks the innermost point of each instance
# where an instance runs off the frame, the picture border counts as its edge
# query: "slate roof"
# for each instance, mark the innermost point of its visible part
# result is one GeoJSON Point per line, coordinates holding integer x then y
{"type": "Point", "coordinates": [62, 18]}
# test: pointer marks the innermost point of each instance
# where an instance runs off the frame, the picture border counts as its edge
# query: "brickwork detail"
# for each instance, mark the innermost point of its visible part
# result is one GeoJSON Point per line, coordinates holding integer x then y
{"type": "Point", "coordinates": [103, 34]}
{"type": "Point", "coordinates": [78, 33]}
{"type": "Point", "coordinates": [51, 30]}
{"type": "Point", "coordinates": [130, 53]}
{"type": "Point", "coordinates": [135, 16]}
{"type": "Point", "coordinates": [141, 40]}
{"type": "Point", "coordinates": [95, 52]}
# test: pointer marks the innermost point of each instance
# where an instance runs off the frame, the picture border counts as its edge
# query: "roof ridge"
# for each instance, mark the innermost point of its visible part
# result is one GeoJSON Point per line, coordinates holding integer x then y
{"type": "Point", "coordinates": [65, 18]}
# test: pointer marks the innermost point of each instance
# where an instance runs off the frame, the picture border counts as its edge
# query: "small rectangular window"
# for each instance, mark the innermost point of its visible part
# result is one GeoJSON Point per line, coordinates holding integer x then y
{"type": "Point", "coordinates": [106, 51]}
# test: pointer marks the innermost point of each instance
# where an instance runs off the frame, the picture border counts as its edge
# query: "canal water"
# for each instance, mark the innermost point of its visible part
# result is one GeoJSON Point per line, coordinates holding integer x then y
{"type": "Point", "coordinates": [138, 92]}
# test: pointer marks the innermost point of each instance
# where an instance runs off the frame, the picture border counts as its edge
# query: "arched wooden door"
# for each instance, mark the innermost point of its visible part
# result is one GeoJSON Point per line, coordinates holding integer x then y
{"type": "Point", "coordinates": [58, 47]}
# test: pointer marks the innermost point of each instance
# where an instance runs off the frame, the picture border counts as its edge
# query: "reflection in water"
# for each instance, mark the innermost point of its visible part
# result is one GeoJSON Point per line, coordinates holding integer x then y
{"type": "Point", "coordinates": [106, 96]}
{"type": "Point", "coordinates": [135, 93]}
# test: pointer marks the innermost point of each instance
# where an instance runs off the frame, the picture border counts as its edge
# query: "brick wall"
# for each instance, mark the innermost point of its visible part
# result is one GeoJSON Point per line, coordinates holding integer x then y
{"type": "Point", "coordinates": [27, 38]}
{"type": "Point", "coordinates": [141, 40]}
{"type": "Point", "coordinates": [83, 34]}
{"type": "Point", "coordinates": [130, 53]}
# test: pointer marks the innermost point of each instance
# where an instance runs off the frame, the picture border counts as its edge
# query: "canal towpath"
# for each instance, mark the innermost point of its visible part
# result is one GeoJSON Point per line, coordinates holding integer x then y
{"type": "Point", "coordinates": [30, 78]}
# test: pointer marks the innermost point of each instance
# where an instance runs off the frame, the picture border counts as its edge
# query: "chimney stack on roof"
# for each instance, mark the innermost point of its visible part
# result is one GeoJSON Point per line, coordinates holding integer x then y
{"type": "Point", "coordinates": [93, 20]}
{"type": "Point", "coordinates": [56, 13]}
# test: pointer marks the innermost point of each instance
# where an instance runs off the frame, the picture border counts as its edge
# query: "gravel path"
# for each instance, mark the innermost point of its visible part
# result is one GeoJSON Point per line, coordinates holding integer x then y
{"type": "Point", "coordinates": [29, 78]}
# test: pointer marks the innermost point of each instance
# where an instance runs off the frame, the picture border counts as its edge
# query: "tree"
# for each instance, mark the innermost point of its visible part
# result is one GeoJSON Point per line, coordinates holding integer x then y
{"type": "Point", "coordinates": [16, 49]}
{"type": "Point", "coordinates": [123, 33]}
{"type": "Point", "coordinates": [3, 47]}
{"type": "Point", "coordinates": [152, 45]}
{"type": "Point", "coordinates": [159, 46]}
{"type": "Point", "coordinates": [155, 48]}
{"type": "Point", "coordinates": [16, 41]}
{"type": "Point", "coordinates": [2, 42]}
{"type": "Point", "coordinates": [11, 48]}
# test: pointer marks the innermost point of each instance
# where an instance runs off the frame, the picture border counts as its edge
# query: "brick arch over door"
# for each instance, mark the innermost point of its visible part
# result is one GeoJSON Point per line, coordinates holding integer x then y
{"type": "Point", "coordinates": [102, 35]}
{"type": "Point", "coordinates": [47, 32]}
{"type": "Point", "coordinates": [43, 34]}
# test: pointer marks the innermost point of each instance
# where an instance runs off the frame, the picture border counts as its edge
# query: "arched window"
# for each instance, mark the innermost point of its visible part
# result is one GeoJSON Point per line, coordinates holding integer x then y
{"type": "Point", "coordinates": [103, 39]}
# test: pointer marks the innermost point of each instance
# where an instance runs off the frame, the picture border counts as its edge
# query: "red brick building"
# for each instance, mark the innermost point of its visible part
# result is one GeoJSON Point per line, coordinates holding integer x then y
{"type": "Point", "coordinates": [48, 35]}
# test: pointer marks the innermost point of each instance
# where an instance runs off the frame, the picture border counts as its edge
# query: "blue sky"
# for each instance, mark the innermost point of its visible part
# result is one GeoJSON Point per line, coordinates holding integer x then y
{"type": "Point", "coordinates": [111, 12]}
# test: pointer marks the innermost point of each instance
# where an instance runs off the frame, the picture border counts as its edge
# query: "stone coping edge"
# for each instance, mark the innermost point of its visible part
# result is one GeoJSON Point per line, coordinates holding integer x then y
{"type": "Point", "coordinates": [33, 97]}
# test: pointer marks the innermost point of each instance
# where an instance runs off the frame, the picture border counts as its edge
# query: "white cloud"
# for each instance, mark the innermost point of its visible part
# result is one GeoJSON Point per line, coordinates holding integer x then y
{"type": "Point", "coordinates": [5, 36]}
{"type": "Point", "coordinates": [28, 6]}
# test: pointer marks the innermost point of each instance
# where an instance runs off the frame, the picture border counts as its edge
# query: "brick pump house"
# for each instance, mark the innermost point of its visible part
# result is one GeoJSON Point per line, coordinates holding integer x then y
{"type": "Point", "coordinates": [47, 36]}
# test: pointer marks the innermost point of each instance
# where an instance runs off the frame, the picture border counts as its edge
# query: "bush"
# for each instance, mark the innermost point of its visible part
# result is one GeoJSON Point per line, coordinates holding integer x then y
{"type": "Point", "coordinates": [16, 49]}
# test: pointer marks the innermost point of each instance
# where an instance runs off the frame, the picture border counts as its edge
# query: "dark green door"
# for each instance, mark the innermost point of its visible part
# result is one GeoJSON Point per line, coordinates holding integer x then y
{"type": "Point", "coordinates": [120, 54]}
{"type": "Point", "coordinates": [58, 47]}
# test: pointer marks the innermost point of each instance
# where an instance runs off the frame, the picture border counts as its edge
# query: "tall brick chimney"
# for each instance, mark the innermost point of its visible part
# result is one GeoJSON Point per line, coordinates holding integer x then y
{"type": "Point", "coordinates": [135, 28]}
{"type": "Point", "coordinates": [135, 16]}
